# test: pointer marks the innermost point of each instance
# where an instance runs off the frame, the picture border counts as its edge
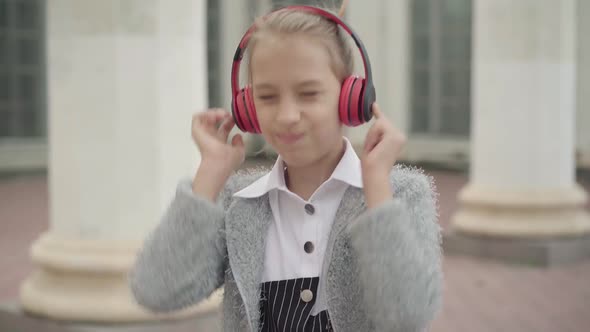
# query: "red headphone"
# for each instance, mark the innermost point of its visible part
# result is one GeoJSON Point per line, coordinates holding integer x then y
{"type": "Point", "coordinates": [356, 94]}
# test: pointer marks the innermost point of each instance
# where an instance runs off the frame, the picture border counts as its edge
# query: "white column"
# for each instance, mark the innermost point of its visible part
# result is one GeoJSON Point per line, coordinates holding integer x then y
{"type": "Point", "coordinates": [237, 16]}
{"type": "Point", "coordinates": [125, 78]}
{"type": "Point", "coordinates": [583, 88]}
{"type": "Point", "coordinates": [522, 180]}
{"type": "Point", "coordinates": [235, 20]}
{"type": "Point", "coordinates": [383, 26]}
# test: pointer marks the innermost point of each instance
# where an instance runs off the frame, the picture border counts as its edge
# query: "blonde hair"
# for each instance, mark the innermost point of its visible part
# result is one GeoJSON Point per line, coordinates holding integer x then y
{"type": "Point", "coordinates": [289, 22]}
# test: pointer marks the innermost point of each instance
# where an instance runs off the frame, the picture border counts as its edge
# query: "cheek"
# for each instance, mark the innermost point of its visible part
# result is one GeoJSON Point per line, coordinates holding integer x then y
{"type": "Point", "coordinates": [327, 125]}
{"type": "Point", "coordinates": [265, 120]}
{"type": "Point", "coordinates": [262, 115]}
{"type": "Point", "coordinates": [328, 112]}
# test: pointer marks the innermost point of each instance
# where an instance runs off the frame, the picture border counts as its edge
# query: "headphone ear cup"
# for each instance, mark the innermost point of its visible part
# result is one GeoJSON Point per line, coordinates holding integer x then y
{"type": "Point", "coordinates": [244, 112]}
{"type": "Point", "coordinates": [344, 100]}
{"type": "Point", "coordinates": [236, 111]}
{"type": "Point", "coordinates": [350, 108]}
{"type": "Point", "coordinates": [251, 110]}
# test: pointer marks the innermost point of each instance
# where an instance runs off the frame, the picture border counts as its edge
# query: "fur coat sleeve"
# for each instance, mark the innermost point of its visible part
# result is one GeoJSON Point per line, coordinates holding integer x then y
{"type": "Point", "coordinates": [398, 249]}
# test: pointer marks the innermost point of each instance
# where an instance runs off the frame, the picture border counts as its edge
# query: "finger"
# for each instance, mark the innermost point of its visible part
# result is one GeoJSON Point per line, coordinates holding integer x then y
{"type": "Point", "coordinates": [380, 145]}
{"type": "Point", "coordinates": [212, 113]}
{"type": "Point", "coordinates": [237, 141]}
{"type": "Point", "coordinates": [373, 137]}
{"type": "Point", "coordinates": [215, 110]}
{"type": "Point", "coordinates": [204, 124]}
{"type": "Point", "coordinates": [216, 117]}
{"type": "Point", "coordinates": [376, 111]}
{"type": "Point", "coordinates": [211, 119]}
{"type": "Point", "coordinates": [225, 128]}
{"type": "Point", "coordinates": [390, 144]}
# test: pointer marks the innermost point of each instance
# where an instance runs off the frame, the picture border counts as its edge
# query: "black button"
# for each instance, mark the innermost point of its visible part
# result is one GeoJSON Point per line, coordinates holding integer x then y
{"type": "Point", "coordinates": [309, 209]}
{"type": "Point", "coordinates": [308, 247]}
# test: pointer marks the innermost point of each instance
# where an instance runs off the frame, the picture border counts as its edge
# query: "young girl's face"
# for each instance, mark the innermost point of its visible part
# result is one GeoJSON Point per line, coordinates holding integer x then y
{"type": "Point", "coordinates": [296, 95]}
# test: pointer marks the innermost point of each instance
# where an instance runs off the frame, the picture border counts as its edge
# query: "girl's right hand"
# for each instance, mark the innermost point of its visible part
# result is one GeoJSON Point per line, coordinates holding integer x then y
{"type": "Point", "coordinates": [210, 131]}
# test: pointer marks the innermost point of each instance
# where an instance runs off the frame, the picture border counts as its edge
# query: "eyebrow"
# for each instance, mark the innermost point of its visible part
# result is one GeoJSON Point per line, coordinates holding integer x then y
{"type": "Point", "coordinates": [311, 82]}
{"type": "Point", "coordinates": [263, 86]}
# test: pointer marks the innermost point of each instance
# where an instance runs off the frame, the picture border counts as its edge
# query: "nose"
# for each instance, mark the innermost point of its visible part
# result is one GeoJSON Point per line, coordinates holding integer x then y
{"type": "Point", "coordinates": [288, 113]}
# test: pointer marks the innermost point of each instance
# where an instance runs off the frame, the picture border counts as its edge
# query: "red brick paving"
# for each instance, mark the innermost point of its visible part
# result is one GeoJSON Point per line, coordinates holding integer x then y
{"type": "Point", "coordinates": [23, 217]}
{"type": "Point", "coordinates": [479, 295]}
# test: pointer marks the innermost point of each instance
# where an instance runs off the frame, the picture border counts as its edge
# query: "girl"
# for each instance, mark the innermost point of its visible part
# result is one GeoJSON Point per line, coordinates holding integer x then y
{"type": "Point", "coordinates": [325, 241]}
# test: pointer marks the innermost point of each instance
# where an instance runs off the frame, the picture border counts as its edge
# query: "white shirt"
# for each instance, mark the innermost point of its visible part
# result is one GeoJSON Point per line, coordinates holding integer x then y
{"type": "Point", "coordinates": [294, 225]}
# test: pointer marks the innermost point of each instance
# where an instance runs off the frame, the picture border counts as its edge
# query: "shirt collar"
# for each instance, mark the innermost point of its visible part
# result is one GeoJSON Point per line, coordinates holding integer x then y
{"type": "Point", "coordinates": [348, 171]}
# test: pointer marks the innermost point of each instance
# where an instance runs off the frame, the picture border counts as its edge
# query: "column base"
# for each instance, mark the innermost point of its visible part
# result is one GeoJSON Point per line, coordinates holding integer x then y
{"type": "Point", "coordinates": [12, 318]}
{"type": "Point", "coordinates": [525, 214]}
{"type": "Point", "coordinates": [86, 280]}
{"type": "Point", "coordinates": [536, 252]}
{"type": "Point", "coordinates": [539, 228]}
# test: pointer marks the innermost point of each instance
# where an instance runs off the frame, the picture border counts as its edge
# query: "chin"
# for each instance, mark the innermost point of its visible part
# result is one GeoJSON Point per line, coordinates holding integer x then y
{"type": "Point", "coordinates": [297, 158]}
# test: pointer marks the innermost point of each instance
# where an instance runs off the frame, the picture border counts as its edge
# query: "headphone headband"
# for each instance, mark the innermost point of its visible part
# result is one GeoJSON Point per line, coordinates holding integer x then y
{"type": "Point", "coordinates": [314, 10]}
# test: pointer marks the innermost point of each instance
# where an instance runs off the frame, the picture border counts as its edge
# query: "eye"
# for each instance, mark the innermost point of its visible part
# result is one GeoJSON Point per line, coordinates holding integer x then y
{"type": "Point", "coordinates": [266, 97]}
{"type": "Point", "coordinates": [311, 93]}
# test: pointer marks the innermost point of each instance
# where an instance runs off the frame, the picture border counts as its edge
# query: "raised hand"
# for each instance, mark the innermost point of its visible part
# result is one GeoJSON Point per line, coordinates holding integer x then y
{"type": "Point", "coordinates": [383, 145]}
{"type": "Point", "coordinates": [210, 131]}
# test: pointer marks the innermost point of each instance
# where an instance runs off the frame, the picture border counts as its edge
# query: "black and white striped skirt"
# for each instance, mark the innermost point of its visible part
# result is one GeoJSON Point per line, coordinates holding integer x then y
{"type": "Point", "coordinates": [286, 306]}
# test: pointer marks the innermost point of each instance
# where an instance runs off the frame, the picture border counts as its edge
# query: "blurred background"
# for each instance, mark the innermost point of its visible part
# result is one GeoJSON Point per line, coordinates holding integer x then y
{"type": "Point", "coordinates": [96, 98]}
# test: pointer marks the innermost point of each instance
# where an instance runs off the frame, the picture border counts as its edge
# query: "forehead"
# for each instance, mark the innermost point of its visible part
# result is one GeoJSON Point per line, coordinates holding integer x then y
{"type": "Point", "coordinates": [291, 58]}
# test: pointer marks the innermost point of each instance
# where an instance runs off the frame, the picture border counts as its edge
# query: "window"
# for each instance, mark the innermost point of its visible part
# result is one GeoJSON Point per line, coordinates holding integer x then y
{"type": "Point", "coordinates": [441, 67]}
{"type": "Point", "coordinates": [22, 68]}
{"type": "Point", "coordinates": [214, 55]}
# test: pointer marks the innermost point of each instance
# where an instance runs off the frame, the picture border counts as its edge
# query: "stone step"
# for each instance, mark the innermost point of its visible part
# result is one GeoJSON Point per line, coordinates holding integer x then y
{"type": "Point", "coordinates": [13, 319]}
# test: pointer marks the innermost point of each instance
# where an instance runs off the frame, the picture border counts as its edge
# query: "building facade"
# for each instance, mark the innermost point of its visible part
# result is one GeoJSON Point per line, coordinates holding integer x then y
{"type": "Point", "coordinates": [420, 50]}
{"type": "Point", "coordinates": [499, 84]}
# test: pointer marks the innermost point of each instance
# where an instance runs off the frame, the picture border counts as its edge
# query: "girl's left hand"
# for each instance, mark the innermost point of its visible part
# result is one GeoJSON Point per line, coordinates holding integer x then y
{"type": "Point", "coordinates": [383, 145]}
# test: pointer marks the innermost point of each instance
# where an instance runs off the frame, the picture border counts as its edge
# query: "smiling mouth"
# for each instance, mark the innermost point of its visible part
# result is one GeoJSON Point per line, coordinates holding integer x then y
{"type": "Point", "coordinates": [289, 138]}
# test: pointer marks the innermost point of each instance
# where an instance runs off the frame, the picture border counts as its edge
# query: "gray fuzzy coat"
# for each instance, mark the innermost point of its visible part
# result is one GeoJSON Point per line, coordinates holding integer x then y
{"type": "Point", "coordinates": [382, 272]}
